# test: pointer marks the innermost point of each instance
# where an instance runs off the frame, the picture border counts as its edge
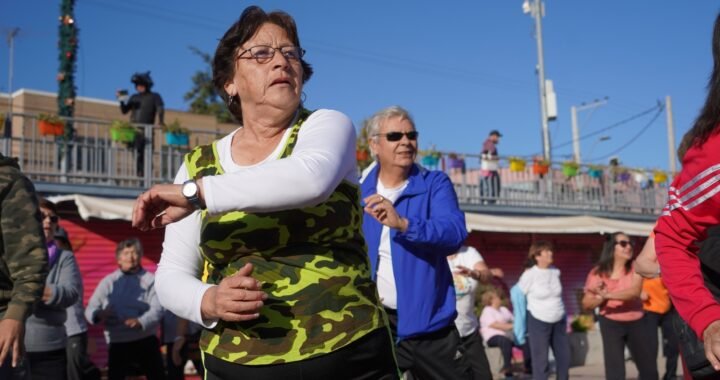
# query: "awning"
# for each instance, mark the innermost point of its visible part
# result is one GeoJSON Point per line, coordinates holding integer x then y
{"type": "Point", "coordinates": [96, 207]}
{"type": "Point", "coordinates": [555, 224]}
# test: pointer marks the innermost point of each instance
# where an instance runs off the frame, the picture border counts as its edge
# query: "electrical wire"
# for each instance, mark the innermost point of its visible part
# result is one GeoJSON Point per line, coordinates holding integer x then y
{"type": "Point", "coordinates": [659, 107]}
{"type": "Point", "coordinates": [633, 139]}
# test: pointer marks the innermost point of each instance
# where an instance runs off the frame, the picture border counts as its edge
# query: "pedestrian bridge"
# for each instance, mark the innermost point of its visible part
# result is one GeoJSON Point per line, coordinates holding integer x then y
{"type": "Point", "coordinates": [95, 163]}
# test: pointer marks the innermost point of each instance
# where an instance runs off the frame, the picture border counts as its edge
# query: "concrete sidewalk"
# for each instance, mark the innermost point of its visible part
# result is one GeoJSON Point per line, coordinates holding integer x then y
{"type": "Point", "coordinates": [594, 365]}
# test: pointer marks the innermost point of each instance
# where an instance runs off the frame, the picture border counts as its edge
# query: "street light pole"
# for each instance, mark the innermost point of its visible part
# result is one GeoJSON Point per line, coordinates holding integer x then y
{"type": "Point", "coordinates": [599, 140]}
{"type": "Point", "coordinates": [536, 9]}
{"type": "Point", "coordinates": [576, 128]}
{"type": "Point", "coordinates": [11, 42]}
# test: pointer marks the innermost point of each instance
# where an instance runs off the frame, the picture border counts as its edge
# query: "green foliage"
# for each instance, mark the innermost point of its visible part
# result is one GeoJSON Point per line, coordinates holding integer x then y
{"type": "Point", "coordinates": [582, 323]}
{"type": "Point", "coordinates": [175, 128]}
{"type": "Point", "coordinates": [67, 53]}
{"type": "Point", "coordinates": [203, 97]}
{"type": "Point", "coordinates": [362, 147]}
{"type": "Point", "coordinates": [120, 124]}
{"type": "Point", "coordinates": [50, 118]}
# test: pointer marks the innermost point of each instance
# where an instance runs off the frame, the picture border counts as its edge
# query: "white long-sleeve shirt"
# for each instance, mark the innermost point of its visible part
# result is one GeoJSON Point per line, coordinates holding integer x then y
{"type": "Point", "coordinates": [324, 155]}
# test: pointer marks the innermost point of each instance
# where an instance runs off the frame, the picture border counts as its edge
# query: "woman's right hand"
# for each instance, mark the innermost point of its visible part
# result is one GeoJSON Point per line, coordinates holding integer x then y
{"type": "Point", "coordinates": [237, 298]}
{"type": "Point", "coordinates": [711, 339]}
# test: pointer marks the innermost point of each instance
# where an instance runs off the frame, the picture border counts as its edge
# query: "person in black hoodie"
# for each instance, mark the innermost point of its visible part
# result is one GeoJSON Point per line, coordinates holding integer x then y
{"type": "Point", "coordinates": [144, 106]}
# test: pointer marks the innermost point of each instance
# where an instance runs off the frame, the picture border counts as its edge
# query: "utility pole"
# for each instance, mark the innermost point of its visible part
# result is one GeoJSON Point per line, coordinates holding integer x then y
{"type": "Point", "coordinates": [11, 43]}
{"type": "Point", "coordinates": [671, 135]}
{"type": "Point", "coordinates": [537, 9]}
{"type": "Point", "coordinates": [576, 128]}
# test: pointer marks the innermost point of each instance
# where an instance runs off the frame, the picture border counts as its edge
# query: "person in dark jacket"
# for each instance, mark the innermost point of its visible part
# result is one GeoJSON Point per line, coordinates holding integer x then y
{"type": "Point", "coordinates": [143, 106]}
{"type": "Point", "coordinates": [412, 223]}
{"type": "Point", "coordinates": [23, 260]}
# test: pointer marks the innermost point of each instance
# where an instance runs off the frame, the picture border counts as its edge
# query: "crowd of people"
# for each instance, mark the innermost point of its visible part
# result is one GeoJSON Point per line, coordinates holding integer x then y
{"type": "Point", "coordinates": [279, 262]}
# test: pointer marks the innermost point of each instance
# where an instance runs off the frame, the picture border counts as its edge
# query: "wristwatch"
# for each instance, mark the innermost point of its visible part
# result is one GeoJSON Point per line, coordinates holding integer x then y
{"type": "Point", "coordinates": [191, 191]}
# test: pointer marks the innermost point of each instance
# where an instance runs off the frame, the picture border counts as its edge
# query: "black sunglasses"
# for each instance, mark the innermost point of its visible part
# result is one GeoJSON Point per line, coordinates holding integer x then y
{"type": "Point", "coordinates": [397, 136]}
{"type": "Point", "coordinates": [624, 243]}
{"type": "Point", "coordinates": [53, 218]}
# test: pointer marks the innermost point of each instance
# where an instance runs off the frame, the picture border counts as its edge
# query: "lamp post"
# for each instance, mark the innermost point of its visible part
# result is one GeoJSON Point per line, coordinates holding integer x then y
{"type": "Point", "coordinates": [537, 9]}
{"type": "Point", "coordinates": [576, 128]}
{"type": "Point", "coordinates": [11, 43]}
{"type": "Point", "coordinates": [599, 140]}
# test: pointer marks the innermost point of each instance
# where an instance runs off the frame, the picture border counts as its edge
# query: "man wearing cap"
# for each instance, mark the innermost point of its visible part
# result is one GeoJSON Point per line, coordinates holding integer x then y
{"type": "Point", "coordinates": [490, 181]}
{"type": "Point", "coordinates": [143, 106]}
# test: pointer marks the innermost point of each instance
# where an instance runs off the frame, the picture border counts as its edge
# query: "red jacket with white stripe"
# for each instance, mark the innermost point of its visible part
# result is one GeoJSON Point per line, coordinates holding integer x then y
{"type": "Point", "coordinates": [693, 206]}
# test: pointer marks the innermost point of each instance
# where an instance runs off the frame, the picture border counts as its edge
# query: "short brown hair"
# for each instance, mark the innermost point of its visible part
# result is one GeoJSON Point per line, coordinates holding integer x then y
{"type": "Point", "coordinates": [252, 18]}
{"type": "Point", "coordinates": [44, 203]}
{"type": "Point", "coordinates": [535, 250]}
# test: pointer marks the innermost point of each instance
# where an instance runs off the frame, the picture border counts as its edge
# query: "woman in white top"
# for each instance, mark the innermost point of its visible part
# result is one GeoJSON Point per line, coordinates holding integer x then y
{"type": "Point", "coordinates": [546, 319]}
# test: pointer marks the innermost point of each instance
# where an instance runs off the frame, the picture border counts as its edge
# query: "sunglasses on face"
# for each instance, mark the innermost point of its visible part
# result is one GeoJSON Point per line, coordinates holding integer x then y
{"type": "Point", "coordinates": [397, 136]}
{"type": "Point", "coordinates": [53, 218]}
{"type": "Point", "coordinates": [624, 243]}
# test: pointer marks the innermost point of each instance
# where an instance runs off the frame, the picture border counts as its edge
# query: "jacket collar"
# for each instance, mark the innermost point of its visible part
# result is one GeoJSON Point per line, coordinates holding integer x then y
{"type": "Point", "coordinates": [416, 181]}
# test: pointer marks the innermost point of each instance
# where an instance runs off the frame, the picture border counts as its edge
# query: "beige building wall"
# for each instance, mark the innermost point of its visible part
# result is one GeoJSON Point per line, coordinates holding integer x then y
{"type": "Point", "coordinates": [28, 103]}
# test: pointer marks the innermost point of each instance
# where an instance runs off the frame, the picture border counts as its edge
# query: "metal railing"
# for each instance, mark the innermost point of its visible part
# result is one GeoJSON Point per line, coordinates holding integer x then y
{"type": "Point", "coordinates": [92, 163]}
{"type": "Point", "coordinates": [572, 189]}
{"type": "Point", "coordinates": [93, 158]}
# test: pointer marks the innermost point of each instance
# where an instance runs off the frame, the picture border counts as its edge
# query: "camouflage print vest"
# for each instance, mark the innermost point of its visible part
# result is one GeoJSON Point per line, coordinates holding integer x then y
{"type": "Point", "coordinates": [312, 263]}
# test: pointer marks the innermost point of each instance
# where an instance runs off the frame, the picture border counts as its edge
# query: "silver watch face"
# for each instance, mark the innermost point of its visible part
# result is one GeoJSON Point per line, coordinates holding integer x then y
{"type": "Point", "coordinates": [189, 189]}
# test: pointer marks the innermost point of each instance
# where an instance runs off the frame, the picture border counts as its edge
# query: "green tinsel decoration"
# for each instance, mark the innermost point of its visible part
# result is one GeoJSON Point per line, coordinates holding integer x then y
{"type": "Point", "coordinates": [68, 45]}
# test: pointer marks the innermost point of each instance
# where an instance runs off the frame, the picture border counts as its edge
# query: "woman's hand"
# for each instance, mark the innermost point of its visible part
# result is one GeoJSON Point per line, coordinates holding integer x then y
{"type": "Point", "coordinates": [237, 298]}
{"type": "Point", "coordinates": [711, 338]}
{"type": "Point", "coordinates": [160, 206]}
{"type": "Point", "coordinates": [384, 212]}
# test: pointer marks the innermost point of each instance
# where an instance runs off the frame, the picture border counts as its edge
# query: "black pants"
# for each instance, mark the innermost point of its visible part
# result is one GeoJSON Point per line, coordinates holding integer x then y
{"type": "Point", "coordinates": [46, 365]}
{"type": "Point", "coordinates": [368, 358]}
{"type": "Point", "coordinates": [172, 371]}
{"type": "Point", "coordinates": [472, 349]}
{"type": "Point", "coordinates": [670, 345]}
{"type": "Point", "coordinates": [505, 345]}
{"type": "Point", "coordinates": [142, 355]}
{"type": "Point", "coordinates": [79, 366]}
{"type": "Point", "coordinates": [635, 334]}
{"type": "Point", "coordinates": [431, 356]}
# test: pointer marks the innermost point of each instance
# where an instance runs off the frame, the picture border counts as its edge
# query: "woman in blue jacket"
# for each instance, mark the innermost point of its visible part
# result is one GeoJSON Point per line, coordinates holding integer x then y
{"type": "Point", "coordinates": [413, 223]}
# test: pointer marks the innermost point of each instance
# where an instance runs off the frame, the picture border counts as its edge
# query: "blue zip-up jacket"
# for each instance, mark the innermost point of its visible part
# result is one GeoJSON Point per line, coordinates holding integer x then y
{"type": "Point", "coordinates": [436, 229]}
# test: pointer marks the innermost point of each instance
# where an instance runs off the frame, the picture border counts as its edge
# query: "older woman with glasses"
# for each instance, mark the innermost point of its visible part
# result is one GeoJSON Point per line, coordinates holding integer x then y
{"type": "Point", "coordinates": [45, 336]}
{"type": "Point", "coordinates": [614, 287]}
{"type": "Point", "coordinates": [272, 214]}
{"type": "Point", "coordinates": [412, 224]}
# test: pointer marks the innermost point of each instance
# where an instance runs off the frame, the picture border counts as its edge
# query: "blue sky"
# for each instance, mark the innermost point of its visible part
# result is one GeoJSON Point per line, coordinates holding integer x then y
{"type": "Point", "coordinates": [462, 68]}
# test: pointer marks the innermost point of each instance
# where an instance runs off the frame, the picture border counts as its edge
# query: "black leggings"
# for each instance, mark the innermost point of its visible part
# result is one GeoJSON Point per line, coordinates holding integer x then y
{"type": "Point", "coordinates": [370, 357]}
{"type": "Point", "coordinates": [635, 334]}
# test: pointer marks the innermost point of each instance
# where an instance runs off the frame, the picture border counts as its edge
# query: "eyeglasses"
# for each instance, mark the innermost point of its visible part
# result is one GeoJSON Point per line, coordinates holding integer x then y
{"type": "Point", "coordinates": [53, 218]}
{"type": "Point", "coordinates": [264, 53]}
{"type": "Point", "coordinates": [624, 243]}
{"type": "Point", "coordinates": [397, 136]}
